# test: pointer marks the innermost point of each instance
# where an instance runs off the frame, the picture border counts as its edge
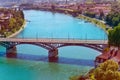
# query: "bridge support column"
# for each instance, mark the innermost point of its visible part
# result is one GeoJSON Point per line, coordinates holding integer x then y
{"type": "Point", "coordinates": [53, 55]}
{"type": "Point", "coordinates": [11, 52]}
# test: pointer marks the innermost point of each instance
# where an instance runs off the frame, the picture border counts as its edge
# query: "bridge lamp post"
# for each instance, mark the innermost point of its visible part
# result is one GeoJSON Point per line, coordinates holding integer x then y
{"type": "Point", "coordinates": [104, 38]}
{"type": "Point", "coordinates": [22, 36]}
{"type": "Point", "coordinates": [36, 36]}
{"type": "Point", "coordinates": [51, 36]}
{"type": "Point", "coordinates": [86, 37]}
{"type": "Point", "coordinates": [68, 36]}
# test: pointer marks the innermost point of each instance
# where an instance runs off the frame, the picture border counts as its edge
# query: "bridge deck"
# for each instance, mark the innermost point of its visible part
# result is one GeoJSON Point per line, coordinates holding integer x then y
{"type": "Point", "coordinates": [59, 41]}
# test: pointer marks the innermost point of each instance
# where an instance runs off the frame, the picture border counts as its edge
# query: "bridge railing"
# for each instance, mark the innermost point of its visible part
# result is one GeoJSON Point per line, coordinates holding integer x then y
{"type": "Point", "coordinates": [53, 40]}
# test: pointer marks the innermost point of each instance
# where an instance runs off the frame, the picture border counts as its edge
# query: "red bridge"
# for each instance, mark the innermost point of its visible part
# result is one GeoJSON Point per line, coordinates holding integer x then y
{"type": "Point", "coordinates": [51, 45]}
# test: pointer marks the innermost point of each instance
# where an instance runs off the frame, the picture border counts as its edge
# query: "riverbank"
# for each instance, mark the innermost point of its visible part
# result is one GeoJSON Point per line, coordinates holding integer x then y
{"type": "Point", "coordinates": [97, 22]}
{"type": "Point", "coordinates": [54, 10]}
{"type": "Point", "coordinates": [17, 32]}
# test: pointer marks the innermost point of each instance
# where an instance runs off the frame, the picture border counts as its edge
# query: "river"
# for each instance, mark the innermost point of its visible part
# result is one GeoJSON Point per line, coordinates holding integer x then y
{"type": "Point", "coordinates": [32, 62]}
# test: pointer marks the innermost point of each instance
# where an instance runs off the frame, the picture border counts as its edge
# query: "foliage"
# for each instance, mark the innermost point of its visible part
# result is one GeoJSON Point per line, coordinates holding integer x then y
{"type": "Point", "coordinates": [105, 71]}
{"type": "Point", "coordinates": [13, 23]}
{"type": "Point", "coordinates": [94, 21]}
{"type": "Point", "coordinates": [114, 37]}
{"type": "Point", "coordinates": [90, 14]}
{"type": "Point", "coordinates": [77, 78]}
{"type": "Point", "coordinates": [113, 18]}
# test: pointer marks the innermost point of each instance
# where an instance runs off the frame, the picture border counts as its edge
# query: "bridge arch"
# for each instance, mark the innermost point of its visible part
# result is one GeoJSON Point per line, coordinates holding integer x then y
{"type": "Point", "coordinates": [13, 44]}
{"type": "Point", "coordinates": [2, 48]}
{"type": "Point", "coordinates": [45, 46]}
{"type": "Point", "coordinates": [29, 49]}
{"type": "Point", "coordinates": [97, 48]}
{"type": "Point", "coordinates": [78, 53]}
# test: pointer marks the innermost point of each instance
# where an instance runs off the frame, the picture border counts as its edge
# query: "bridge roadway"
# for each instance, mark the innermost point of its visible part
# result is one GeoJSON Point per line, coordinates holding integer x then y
{"type": "Point", "coordinates": [54, 41]}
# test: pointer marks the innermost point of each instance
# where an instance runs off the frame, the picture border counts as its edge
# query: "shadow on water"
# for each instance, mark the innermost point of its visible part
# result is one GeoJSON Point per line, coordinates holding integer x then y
{"type": "Point", "coordinates": [83, 62]}
{"type": "Point", "coordinates": [62, 60]}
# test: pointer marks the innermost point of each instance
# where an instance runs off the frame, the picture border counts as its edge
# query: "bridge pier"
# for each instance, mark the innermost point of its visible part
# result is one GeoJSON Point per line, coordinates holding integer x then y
{"type": "Point", "coordinates": [11, 52]}
{"type": "Point", "coordinates": [53, 55]}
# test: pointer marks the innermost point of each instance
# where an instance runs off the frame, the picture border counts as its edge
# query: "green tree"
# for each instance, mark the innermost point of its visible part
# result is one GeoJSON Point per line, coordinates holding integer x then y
{"type": "Point", "coordinates": [113, 18]}
{"type": "Point", "coordinates": [114, 37]}
{"type": "Point", "coordinates": [115, 21]}
{"type": "Point", "coordinates": [107, 71]}
{"type": "Point", "coordinates": [90, 14]}
{"type": "Point", "coordinates": [12, 22]}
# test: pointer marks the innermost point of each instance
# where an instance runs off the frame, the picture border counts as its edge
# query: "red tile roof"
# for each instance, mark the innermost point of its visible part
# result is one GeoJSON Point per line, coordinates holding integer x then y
{"type": "Point", "coordinates": [117, 56]}
{"type": "Point", "coordinates": [107, 55]}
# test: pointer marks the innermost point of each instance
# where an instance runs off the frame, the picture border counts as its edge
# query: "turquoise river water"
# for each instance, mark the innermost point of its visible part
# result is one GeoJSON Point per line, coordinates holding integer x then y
{"type": "Point", "coordinates": [32, 62]}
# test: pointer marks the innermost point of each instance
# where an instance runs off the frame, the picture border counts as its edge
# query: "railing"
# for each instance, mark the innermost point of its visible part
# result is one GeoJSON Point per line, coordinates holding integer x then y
{"type": "Point", "coordinates": [54, 40]}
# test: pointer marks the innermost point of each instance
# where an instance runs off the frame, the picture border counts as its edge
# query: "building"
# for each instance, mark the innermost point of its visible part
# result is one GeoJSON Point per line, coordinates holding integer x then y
{"type": "Point", "coordinates": [113, 53]}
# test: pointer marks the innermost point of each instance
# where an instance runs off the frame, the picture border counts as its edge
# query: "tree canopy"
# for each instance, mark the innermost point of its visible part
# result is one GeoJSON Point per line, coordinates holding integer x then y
{"type": "Point", "coordinates": [114, 36]}
{"type": "Point", "coordinates": [113, 18]}
{"type": "Point", "coordinates": [90, 14]}
{"type": "Point", "coordinates": [105, 71]}
{"type": "Point", "coordinates": [13, 23]}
